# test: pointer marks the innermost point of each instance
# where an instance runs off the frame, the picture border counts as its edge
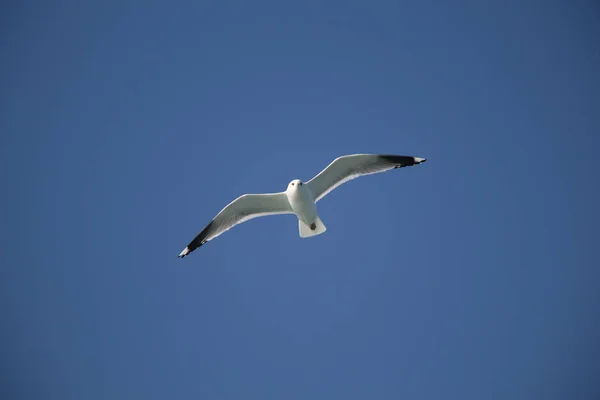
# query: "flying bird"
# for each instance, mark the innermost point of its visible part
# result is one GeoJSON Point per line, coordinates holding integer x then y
{"type": "Point", "coordinates": [299, 198]}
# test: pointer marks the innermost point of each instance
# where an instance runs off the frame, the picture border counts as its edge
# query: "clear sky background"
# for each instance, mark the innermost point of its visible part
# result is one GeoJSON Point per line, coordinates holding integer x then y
{"type": "Point", "coordinates": [126, 126]}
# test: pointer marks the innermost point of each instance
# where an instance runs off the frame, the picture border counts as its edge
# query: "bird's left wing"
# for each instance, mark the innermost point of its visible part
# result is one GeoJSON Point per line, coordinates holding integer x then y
{"type": "Point", "coordinates": [240, 210]}
{"type": "Point", "coordinates": [345, 168]}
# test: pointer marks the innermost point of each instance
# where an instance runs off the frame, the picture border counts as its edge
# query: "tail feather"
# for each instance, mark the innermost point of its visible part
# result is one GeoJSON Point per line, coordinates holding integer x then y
{"type": "Point", "coordinates": [306, 231]}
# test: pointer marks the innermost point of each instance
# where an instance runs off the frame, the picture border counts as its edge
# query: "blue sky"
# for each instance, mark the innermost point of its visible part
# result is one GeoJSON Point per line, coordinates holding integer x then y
{"type": "Point", "coordinates": [126, 126]}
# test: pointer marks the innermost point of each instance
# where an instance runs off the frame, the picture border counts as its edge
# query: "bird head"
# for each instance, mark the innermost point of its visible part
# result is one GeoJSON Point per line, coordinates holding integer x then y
{"type": "Point", "coordinates": [295, 184]}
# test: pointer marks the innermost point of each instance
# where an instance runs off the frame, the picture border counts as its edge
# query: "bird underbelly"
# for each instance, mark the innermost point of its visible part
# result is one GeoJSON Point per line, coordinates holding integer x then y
{"type": "Point", "coordinates": [304, 207]}
{"type": "Point", "coordinates": [306, 214]}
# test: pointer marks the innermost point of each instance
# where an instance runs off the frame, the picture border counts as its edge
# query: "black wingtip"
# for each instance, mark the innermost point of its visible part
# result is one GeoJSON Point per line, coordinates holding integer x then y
{"type": "Point", "coordinates": [198, 241]}
{"type": "Point", "coordinates": [402, 161]}
{"type": "Point", "coordinates": [185, 252]}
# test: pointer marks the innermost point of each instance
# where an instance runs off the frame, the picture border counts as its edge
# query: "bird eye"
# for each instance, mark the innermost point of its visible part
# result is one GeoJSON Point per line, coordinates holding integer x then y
{"type": "Point", "coordinates": [293, 183]}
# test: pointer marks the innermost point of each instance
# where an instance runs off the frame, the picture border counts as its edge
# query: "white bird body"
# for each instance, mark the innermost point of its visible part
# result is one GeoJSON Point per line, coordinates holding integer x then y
{"type": "Point", "coordinates": [299, 198]}
{"type": "Point", "coordinates": [302, 201]}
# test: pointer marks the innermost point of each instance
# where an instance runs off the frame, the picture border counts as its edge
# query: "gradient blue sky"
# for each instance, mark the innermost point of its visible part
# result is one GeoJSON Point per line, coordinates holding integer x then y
{"type": "Point", "coordinates": [126, 126]}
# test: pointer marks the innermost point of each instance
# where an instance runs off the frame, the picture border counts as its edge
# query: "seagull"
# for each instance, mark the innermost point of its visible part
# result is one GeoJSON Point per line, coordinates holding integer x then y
{"type": "Point", "coordinates": [299, 198]}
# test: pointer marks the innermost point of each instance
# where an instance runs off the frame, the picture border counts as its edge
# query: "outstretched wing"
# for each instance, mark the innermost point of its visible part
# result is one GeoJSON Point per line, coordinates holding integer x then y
{"type": "Point", "coordinates": [345, 168]}
{"type": "Point", "coordinates": [240, 210]}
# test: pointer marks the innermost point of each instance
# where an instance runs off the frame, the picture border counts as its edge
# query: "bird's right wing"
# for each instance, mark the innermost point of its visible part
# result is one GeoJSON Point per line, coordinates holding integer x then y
{"type": "Point", "coordinates": [345, 168]}
{"type": "Point", "coordinates": [240, 210]}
